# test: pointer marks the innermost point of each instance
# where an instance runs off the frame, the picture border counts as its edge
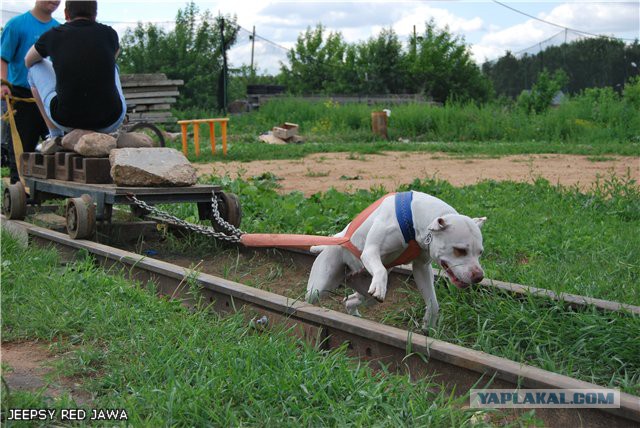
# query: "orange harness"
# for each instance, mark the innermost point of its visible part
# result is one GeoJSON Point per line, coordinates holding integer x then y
{"type": "Point", "coordinates": [305, 242]}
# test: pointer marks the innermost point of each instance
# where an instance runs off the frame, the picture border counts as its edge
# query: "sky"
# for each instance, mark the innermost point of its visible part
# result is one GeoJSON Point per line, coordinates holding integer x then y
{"type": "Point", "coordinates": [488, 28]}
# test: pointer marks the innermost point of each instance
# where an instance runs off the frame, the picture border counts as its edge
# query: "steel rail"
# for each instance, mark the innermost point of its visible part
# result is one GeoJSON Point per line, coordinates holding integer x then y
{"type": "Point", "coordinates": [457, 368]}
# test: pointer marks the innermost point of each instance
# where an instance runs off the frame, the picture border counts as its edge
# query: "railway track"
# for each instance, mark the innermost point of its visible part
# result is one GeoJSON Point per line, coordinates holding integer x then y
{"type": "Point", "coordinates": [457, 368]}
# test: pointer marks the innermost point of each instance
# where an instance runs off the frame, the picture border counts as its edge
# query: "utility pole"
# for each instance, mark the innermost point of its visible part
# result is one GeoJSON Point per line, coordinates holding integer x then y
{"type": "Point", "coordinates": [414, 42]}
{"type": "Point", "coordinates": [253, 42]}
{"type": "Point", "coordinates": [224, 67]}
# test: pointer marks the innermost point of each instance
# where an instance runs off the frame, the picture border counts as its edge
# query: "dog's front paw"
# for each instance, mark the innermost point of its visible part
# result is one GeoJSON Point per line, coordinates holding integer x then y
{"type": "Point", "coordinates": [430, 319]}
{"type": "Point", "coordinates": [378, 291]}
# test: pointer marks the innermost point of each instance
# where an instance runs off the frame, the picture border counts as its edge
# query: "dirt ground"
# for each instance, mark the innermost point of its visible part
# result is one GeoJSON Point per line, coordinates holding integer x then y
{"type": "Point", "coordinates": [28, 368]}
{"type": "Point", "coordinates": [347, 172]}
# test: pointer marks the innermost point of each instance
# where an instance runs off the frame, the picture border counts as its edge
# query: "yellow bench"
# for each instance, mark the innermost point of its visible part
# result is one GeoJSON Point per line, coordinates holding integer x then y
{"type": "Point", "coordinates": [196, 134]}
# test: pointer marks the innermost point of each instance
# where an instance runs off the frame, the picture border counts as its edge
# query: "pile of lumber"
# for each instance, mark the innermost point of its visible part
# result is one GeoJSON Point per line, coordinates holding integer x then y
{"type": "Point", "coordinates": [149, 97]}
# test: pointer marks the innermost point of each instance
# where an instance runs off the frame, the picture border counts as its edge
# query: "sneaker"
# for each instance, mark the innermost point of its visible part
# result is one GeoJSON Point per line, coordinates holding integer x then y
{"type": "Point", "coordinates": [50, 146]}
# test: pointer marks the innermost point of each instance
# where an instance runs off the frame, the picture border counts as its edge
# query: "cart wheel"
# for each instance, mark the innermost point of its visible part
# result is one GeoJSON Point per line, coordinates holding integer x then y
{"type": "Point", "coordinates": [81, 217]}
{"type": "Point", "coordinates": [14, 203]}
{"type": "Point", "coordinates": [151, 130]}
{"type": "Point", "coordinates": [230, 210]}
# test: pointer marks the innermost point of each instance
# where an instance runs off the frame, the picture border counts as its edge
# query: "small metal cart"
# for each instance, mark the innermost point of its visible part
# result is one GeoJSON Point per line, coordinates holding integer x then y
{"type": "Point", "coordinates": [88, 203]}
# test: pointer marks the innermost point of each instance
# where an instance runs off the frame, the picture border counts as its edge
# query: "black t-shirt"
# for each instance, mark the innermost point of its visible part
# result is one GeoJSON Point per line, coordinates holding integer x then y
{"type": "Point", "coordinates": [83, 55]}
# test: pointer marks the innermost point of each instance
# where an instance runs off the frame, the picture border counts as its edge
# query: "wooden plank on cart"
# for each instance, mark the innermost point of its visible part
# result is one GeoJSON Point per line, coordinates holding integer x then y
{"type": "Point", "coordinates": [149, 97]}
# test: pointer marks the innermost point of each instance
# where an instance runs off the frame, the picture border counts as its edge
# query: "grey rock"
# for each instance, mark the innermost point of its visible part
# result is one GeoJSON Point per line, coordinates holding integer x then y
{"type": "Point", "coordinates": [95, 145]}
{"type": "Point", "coordinates": [70, 140]}
{"type": "Point", "coordinates": [157, 166]}
{"type": "Point", "coordinates": [134, 140]}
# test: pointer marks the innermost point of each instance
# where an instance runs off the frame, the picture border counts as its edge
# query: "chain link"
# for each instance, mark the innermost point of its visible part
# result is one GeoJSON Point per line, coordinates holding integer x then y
{"type": "Point", "coordinates": [218, 218]}
{"type": "Point", "coordinates": [207, 231]}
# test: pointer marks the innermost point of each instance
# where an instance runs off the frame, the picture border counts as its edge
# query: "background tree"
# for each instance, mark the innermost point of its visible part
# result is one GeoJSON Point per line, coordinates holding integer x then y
{"type": "Point", "coordinates": [192, 51]}
{"type": "Point", "coordinates": [436, 64]}
{"type": "Point", "coordinates": [588, 63]}
{"type": "Point", "coordinates": [546, 87]}
{"type": "Point", "coordinates": [316, 62]}
{"type": "Point", "coordinates": [380, 64]}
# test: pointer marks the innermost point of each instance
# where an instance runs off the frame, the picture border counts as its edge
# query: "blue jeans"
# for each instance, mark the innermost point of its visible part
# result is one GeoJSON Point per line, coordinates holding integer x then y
{"type": "Point", "coordinates": [42, 77]}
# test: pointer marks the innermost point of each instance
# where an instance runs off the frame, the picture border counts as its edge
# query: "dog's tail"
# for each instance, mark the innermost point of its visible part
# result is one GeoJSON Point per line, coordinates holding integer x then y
{"type": "Point", "coordinates": [317, 249]}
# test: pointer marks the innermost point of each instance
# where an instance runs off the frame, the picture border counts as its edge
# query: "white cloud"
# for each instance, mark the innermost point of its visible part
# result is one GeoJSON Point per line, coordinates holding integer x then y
{"type": "Point", "coordinates": [419, 15]}
{"type": "Point", "coordinates": [596, 18]}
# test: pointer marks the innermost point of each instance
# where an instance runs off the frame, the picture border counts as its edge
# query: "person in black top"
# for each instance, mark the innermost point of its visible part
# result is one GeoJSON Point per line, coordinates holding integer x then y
{"type": "Point", "coordinates": [80, 86]}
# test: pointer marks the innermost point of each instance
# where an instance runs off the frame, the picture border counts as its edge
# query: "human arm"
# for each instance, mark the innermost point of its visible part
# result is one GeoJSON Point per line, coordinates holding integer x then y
{"type": "Point", "coordinates": [32, 57]}
{"type": "Point", "coordinates": [8, 53]}
{"type": "Point", "coordinates": [4, 89]}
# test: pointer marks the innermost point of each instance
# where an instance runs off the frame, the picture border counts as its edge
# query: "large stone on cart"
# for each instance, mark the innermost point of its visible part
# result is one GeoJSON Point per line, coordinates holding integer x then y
{"type": "Point", "coordinates": [70, 140]}
{"type": "Point", "coordinates": [95, 145]}
{"type": "Point", "coordinates": [149, 167]}
{"type": "Point", "coordinates": [134, 140]}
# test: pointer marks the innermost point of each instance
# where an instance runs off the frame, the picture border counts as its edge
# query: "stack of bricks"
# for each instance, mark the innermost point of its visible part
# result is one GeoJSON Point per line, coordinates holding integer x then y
{"type": "Point", "coordinates": [67, 166]}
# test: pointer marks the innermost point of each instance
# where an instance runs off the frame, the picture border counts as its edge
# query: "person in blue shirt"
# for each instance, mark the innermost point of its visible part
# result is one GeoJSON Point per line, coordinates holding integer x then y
{"type": "Point", "coordinates": [18, 35]}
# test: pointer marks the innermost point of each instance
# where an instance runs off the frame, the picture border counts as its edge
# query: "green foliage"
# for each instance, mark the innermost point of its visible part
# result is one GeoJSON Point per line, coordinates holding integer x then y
{"type": "Point", "coordinates": [192, 51]}
{"type": "Point", "coordinates": [594, 62]}
{"type": "Point", "coordinates": [380, 64]}
{"type": "Point", "coordinates": [315, 62]}
{"type": "Point", "coordinates": [546, 87]}
{"type": "Point", "coordinates": [593, 123]}
{"type": "Point", "coordinates": [441, 67]}
{"type": "Point", "coordinates": [632, 93]}
{"type": "Point", "coordinates": [437, 64]}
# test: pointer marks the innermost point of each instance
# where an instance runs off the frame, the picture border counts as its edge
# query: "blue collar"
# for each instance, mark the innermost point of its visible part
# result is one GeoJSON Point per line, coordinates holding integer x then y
{"type": "Point", "coordinates": [404, 216]}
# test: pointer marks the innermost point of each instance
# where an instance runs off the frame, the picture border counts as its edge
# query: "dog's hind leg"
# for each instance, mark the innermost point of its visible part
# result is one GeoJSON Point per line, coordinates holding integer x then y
{"type": "Point", "coordinates": [360, 296]}
{"type": "Point", "coordinates": [327, 273]}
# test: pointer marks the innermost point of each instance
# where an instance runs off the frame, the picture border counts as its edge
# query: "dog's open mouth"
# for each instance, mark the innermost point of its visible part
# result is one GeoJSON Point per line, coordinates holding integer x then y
{"type": "Point", "coordinates": [452, 277]}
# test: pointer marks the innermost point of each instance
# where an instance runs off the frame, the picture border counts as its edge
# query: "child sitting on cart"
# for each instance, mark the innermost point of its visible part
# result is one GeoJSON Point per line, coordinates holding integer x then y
{"type": "Point", "coordinates": [80, 87]}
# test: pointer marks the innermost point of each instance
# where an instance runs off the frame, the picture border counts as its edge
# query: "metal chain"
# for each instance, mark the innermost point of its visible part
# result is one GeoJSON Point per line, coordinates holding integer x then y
{"type": "Point", "coordinates": [168, 218]}
{"type": "Point", "coordinates": [218, 218]}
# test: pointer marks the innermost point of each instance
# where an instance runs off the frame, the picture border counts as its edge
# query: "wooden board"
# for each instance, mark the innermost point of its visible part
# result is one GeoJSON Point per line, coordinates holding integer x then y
{"type": "Point", "coordinates": [137, 84]}
{"type": "Point", "coordinates": [169, 100]}
{"type": "Point", "coordinates": [151, 107]}
{"type": "Point", "coordinates": [137, 95]}
{"type": "Point", "coordinates": [139, 89]}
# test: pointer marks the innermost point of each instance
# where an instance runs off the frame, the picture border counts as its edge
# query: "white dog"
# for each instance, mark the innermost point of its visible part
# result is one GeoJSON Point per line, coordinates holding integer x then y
{"type": "Point", "coordinates": [410, 219]}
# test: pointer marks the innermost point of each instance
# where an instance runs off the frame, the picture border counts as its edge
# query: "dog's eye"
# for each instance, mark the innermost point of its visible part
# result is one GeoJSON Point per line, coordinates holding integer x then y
{"type": "Point", "coordinates": [459, 252]}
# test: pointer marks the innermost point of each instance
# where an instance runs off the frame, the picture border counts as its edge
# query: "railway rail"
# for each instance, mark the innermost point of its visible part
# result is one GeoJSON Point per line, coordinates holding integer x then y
{"type": "Point", "coordinates": [457, 368]}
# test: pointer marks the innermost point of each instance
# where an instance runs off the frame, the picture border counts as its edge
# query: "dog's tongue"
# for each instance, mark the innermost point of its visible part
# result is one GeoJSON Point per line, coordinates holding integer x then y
{"type": "Point", "coordinates": [454, 279]}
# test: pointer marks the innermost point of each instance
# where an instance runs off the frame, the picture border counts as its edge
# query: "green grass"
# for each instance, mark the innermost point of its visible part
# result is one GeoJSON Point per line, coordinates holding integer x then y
{"type": "Point", "coordinates": [588, 344]}
{"type": "Point", "coordinates": [168, 366]}
{"type": "Point", "coordinates": [584, 125]}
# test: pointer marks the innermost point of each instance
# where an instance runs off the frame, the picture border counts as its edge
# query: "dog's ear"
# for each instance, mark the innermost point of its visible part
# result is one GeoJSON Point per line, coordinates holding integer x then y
{"type": "Point", "coordinates": [479, 221]}
{"type": "Point", "coordinates": [438, 224]}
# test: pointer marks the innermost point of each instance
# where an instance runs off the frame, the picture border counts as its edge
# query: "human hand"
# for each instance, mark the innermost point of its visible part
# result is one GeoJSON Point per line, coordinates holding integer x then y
{"type": "Point", "coordinates": [5, 90]}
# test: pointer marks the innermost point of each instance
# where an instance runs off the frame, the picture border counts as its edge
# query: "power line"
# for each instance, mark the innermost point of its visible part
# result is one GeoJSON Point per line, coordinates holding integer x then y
{"type": "Point", "coordinates": [264, 39]}
{"type": "Point", "coordinates": [557, 25]}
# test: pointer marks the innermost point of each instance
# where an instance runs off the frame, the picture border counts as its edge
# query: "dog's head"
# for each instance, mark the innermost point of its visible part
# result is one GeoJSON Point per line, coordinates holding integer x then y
{"type": "Point", "coordinates": [456, 245]}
